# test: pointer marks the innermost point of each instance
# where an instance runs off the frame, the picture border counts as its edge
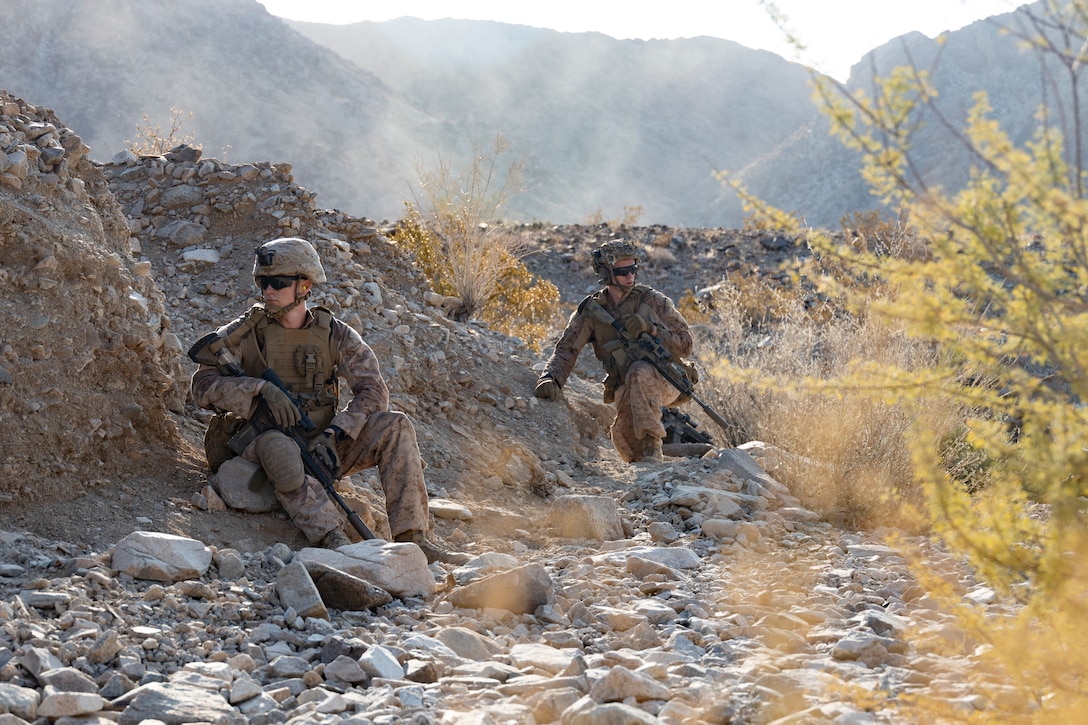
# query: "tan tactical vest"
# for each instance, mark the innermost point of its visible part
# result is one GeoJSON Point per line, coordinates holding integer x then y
{"type": "Point", "coordinates": [606, 340]}
{"type": "Point", "coordinates": [304, 359]}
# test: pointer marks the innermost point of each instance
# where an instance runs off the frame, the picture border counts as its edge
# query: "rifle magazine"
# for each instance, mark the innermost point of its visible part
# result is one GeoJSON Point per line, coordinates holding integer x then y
{"type": "Point", "coordinates": [241, 440]}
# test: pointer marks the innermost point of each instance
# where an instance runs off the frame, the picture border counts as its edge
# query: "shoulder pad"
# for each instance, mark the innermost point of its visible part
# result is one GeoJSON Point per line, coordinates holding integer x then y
{"type": "Point", "coordinates": [595, 297]}
{"type": "Point", "coordinates": [239, 328]}
{"type": "Point", "coordinates": [201, 352]}
{"type": "Point", "coordinates": [323, 316]}
{"type": "Point", "coordinates": [592, 308]}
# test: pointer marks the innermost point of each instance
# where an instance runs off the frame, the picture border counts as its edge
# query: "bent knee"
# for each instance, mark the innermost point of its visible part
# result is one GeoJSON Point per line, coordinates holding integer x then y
{"type": "Point", "coordinates": [392, 420]}
{"type": "Point", "coordinates": [641, 370]}
{"type": "Point", "coordinates": [280, 458]}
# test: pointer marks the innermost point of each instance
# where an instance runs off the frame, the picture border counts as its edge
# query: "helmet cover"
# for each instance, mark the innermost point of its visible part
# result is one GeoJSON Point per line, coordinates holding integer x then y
{"type": "Point", "coordinates": [288, 257]}
{"type": "Point", "coordinates": [607, 254]}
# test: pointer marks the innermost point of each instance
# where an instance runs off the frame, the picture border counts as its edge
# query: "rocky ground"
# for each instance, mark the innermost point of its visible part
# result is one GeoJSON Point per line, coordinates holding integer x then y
{"type": "Point", "coordinates": [704, 593]}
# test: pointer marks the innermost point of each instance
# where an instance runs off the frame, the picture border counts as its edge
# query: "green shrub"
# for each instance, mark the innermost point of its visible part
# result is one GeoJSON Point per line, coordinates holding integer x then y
{"type": "Point", "coordinates": [517, 303]}
{"type": "Point", "coordinates": [999, 292]}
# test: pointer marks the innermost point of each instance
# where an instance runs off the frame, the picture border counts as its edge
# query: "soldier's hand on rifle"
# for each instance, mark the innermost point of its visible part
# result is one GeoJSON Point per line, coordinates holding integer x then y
{"type": "Point", "coordinates": [283, 409]}
{"type": "Point", "coordinates": [324, 449]}
{"type": "Point", "coordinates": [637, 324]}
{"type": "Point", "coordinates": [547, 389]}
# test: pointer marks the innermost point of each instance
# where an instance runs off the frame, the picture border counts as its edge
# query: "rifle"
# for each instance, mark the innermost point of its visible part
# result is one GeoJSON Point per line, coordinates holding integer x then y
{"type": "Point", "coordinates": [651, 349]}
{"type": "Point", "coordinates": [680, 428]}
{"type": "Point", "coordinates": [212, 350]}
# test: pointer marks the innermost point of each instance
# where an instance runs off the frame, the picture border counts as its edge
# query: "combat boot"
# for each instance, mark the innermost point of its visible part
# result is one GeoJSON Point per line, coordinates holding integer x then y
{"type": "Point", "coordinates": [651, 450]}
{"type": "Point", "coordinates": [431, 550]}
{"type": "Point", "coordinates": [335, 539]}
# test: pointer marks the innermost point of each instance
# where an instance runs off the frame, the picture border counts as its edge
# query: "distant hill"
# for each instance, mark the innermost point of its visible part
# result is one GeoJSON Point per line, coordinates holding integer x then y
{"type": "Point", "coordinates": [258, 90]}
{"type": "Point", "coordinates": [814, 175]}
{"type": "Point", "coordinates": [604, 124]}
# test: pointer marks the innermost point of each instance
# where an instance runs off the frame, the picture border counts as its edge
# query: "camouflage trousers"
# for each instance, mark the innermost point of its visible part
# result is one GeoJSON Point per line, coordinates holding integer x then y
{"type": "Point", "coordinates": [301, 495]}
{"type": "Point", "coordinates": [388, 441]}
{"type": "Point", "coordinates": [311, 510]}
{"type": "Point", "coordinates": [638, 409]}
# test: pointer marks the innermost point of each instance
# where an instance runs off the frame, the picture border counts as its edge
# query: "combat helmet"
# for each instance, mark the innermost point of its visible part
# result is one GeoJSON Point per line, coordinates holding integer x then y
{"type": "Point", "coordinates": [607, 254]}
{"type": "Point", "coordinates": [287, 257]}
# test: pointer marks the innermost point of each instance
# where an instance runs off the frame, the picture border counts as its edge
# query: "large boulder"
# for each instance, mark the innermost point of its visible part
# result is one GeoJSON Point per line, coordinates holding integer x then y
{"type": "Point", "coordinates": [160, 557]}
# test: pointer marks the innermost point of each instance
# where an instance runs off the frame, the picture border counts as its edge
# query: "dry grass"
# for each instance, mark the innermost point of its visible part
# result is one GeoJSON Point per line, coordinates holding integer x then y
{"type": "Point", "coordinates": [884, 236]}
{"type": "Point", "coordinates": [154, 141]}
{"type": "Point", "coordinates": [461, 210]}
{"type": "Point", "coordinates": [769, 359]}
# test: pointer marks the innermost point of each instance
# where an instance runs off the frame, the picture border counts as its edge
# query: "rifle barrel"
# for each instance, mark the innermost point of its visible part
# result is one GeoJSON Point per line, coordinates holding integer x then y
{"type": "Point", "coordinates": [722, 423]}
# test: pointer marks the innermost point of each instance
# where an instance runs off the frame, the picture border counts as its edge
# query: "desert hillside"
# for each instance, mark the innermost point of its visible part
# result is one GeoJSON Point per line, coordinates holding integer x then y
{"type": "Point", "coordinates": [604, 125]}
{"type": "Point", "coordinates": [698, 590]}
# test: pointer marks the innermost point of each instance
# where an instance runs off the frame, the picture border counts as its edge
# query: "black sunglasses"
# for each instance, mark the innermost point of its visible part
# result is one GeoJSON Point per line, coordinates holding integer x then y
{"type": "Point", "coordinates": [277, 282]}
{"type": "Point", "coordinates": [624, 271]}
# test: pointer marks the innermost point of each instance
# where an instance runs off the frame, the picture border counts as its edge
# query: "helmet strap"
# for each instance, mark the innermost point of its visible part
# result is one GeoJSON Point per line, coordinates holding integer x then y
{"type": "Point", "coordinates": [278, 313]}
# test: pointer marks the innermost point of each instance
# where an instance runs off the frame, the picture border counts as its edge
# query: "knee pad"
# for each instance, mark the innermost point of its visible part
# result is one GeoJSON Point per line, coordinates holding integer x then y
{"type": "Point", "coordinates": [280, 458]}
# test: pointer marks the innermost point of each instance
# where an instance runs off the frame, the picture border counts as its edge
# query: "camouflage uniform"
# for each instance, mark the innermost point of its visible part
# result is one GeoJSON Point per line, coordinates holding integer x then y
{"type": "Point", "coordinates": [375, 436]}
{"type": "Point", "coordinates": [639, 390]}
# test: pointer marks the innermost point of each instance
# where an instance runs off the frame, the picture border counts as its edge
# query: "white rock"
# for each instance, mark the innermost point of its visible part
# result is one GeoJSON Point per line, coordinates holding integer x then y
{"type": "Point", "coordinates": [380, 662]}
{"type": "Point", "coordinates": [400, 569]}
{"type": "Point", "coordinates": [243, 690]}
{"type": "Point", "coordinates": [586, 517]}
{"type": "Point", "coordinates": [540, 656]}
{"type": "Point", "coordinates": [70, 704]}
{"type": "Point", "coordinates": [124, 157]}
{"type": "Point", "coordinates": [443, 508]}
{"type": "Point", "coordinates": [161, 557]}
{"type": "Point", "coordinates": [209, 256]}
{"type": "Point", "coordinates": [20, 701]}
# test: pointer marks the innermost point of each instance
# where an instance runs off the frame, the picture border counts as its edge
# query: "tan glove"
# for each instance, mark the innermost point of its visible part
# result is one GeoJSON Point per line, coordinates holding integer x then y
{"type": "Point", "coordinates": [323, 447]}
{"type": "Point", "coordinates": [637, 324]}
{"type": "Point", "coordinates": [546, 389]}
{"type": "Point", "coordinates": [283, 409]}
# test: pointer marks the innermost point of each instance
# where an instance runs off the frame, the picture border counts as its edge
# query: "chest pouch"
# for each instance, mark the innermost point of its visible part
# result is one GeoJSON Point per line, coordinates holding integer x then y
{"type": "Point", "coordinates": [307, 364]}
{"type": "Point", "coordinates": [615, 358]}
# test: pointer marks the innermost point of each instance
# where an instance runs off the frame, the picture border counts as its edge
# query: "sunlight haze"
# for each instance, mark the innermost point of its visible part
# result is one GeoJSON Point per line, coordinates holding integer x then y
{"type": "Point", "coordinates": [836, 33]}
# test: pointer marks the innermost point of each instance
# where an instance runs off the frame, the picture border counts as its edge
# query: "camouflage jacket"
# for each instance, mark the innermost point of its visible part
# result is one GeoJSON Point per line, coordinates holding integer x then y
{"type": "Point", "coordinates": [582, 330]}
{"type": "Point", "coordinates": [355, 363]}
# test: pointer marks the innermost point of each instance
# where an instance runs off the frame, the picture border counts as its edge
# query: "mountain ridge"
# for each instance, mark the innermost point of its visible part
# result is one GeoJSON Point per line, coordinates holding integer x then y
{"type": "Point", "coordinates": [605, 126]}
{"type": "Point", "coordinates": [623, 95]}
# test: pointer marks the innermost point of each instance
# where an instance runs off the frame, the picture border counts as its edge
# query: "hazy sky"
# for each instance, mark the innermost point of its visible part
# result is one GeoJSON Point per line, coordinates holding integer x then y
{"type": "Point", "coordinates": [836, 33]}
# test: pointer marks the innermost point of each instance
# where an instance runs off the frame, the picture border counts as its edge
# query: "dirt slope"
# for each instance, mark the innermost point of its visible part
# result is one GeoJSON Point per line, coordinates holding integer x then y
{"type": "Point", "coordinates": [113, 271]}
